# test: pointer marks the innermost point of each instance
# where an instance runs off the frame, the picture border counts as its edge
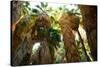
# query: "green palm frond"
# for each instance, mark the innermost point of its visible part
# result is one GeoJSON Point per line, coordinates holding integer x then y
{"type": "Point", "coordinates": [54, 38]}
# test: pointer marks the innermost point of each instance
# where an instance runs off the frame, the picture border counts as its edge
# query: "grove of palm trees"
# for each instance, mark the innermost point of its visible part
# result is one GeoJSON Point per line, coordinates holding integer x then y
{"type": "Point", "coordinates": [52, 33]}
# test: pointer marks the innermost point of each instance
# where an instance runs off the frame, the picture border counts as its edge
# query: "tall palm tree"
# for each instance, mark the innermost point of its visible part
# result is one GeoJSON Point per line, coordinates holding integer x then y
{"type": "Point", "coordinates": [89, 14]}
{"type": "Point", "coordinates": [46, 33]}
{"type": "Point", "coordinates": [67, 23]}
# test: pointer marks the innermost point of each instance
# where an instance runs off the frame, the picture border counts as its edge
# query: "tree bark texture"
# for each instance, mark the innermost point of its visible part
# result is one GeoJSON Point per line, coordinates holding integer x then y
{"type": "Point", "coordinates": [67, 25]}
{"type": "Point", "coordinates": [89, 14]}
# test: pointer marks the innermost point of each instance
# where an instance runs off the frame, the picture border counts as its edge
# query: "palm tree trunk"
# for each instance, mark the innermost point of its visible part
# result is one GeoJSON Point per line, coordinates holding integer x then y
{"type": "Point", "coordinates": [89, 14]}
{"type": "Point", "coordinates": [15, 14]}
{"type": "Point", "coordinates": [72, 54]}
{"type": "Point", "coordinates": [44, 54]}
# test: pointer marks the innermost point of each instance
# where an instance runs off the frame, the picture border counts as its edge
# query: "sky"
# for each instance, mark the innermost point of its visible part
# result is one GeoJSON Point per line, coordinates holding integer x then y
{"type": "Point", "coordinates": [54, 5]}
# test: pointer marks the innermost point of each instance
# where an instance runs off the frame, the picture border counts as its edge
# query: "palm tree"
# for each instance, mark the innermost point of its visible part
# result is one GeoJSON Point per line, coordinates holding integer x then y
{"type": "Point", "coordinates": [19, 31]}
{"type": "Point", "coordinates": [48, 37]}
{"type": "Point", "coordinates": [89, 14]}
{"type": "Point", "coordinates": [71, 52]}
